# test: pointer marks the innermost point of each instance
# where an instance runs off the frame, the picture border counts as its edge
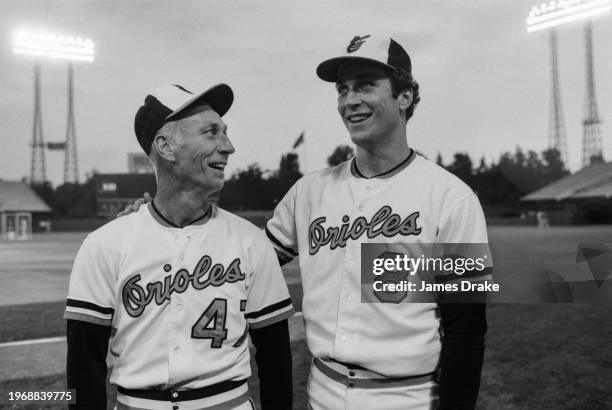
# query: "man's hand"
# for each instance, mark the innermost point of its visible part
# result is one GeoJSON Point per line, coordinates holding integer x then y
{"type": "Point", "coordinates": [146, 198]}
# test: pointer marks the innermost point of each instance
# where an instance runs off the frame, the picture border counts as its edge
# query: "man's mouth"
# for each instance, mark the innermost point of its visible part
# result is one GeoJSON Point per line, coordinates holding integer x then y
{"type": "Point", "coordinates": [220, 166]}
{"type": "Point", "coordinates": [357, 118]}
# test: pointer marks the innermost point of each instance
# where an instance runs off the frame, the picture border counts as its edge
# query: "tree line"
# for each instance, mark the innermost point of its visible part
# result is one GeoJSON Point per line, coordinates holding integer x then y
{"type": "Point", "coordinates": [501, 182]}
{"type": "Point", "coordinates": [513, 176]}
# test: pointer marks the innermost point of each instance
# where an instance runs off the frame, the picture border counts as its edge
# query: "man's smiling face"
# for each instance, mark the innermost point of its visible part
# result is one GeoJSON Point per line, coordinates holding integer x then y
{"type": "Point", "coordinates": [203, 155]}
{"type": "Point", "coordinates": [366, 103]}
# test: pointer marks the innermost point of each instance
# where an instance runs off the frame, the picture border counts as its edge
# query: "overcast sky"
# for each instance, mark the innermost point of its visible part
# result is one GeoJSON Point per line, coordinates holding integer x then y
{"type": "Point", "coordinates": [485, 82]}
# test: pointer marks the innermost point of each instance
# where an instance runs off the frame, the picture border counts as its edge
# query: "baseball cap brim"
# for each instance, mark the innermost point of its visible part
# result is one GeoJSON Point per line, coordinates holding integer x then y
{"type": "Point", "coordinates": [328, 69]}
{"type": "Point", "coordinates": [220, 98]}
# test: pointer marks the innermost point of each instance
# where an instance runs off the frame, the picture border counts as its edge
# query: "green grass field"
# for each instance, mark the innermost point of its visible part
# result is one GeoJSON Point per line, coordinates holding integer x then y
{"type": "Point", "coordinates": [539, 356]}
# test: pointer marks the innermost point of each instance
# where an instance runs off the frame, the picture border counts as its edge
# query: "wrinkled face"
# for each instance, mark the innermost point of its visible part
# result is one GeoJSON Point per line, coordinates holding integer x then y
{"type": "Point", "coordinates": [366, 104]}
{"type": "Point", "coordinates": [202, 156]}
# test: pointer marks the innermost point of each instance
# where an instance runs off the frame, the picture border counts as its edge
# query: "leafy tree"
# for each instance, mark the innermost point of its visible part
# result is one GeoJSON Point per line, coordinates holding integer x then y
{"type": "Point", "coordinates": [340, 154]}
{"type": "Point", "coordinates": [554, 168]}
{"type": "Point", "coordinates": [246, 190]}
{"type": "Point", "coordinates": [513, 176]}
{"type": "Point", "coordinates": [85, 206]}
{"type": "Point", "coordinates": [46, 192]}
{"type": "Point", "coordinates": [482, 166]}
{"type": "Point", "coordinates": [66, 196]}
{"type": "Point", "coordinates": [288, 173]}
{"type": "Point", "coordinates": [289, 168]}
{"type": "Point", "coordinates": [462, 167]}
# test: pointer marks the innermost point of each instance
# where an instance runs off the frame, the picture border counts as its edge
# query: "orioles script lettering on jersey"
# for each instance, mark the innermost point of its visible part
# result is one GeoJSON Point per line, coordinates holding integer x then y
{"type": "Point", "coordinates": [136, 299]}
{"type": "Point", "coordinates": [384, 222]}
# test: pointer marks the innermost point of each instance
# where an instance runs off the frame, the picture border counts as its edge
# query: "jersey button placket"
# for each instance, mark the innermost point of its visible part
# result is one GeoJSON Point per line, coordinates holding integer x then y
{"type": "Point", "coordinates": [177, 359]}
{"type": "Point", "coordinates": [344, 308]}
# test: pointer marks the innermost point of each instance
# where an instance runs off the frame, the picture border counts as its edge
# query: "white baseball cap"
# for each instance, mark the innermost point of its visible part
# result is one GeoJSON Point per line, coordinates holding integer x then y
{"type": "Point", "coordinates": [380, 50]}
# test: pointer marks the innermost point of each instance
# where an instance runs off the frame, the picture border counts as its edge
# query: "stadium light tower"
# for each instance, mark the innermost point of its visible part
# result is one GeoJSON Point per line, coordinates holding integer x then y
{"type": "Point", "coordinates": [51, 46]}
{"type": "Point", "coordinates": [548, 16]}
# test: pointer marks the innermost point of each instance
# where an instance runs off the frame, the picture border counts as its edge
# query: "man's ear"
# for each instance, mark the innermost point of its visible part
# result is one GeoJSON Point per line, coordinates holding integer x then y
{"type": "Point", "coordinates": [405, 99]}
{"type": "Point", "coordinates": [164, 145]}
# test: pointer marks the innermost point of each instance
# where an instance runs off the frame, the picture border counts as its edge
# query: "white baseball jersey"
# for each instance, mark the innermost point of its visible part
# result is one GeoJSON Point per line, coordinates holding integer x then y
{"type": "Point", "coordinates": [180, 300]}
{"type": "Point", "coordinates": [327, 215]}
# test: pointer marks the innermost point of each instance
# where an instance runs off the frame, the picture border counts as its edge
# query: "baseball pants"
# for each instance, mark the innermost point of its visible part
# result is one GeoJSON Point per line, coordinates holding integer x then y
{"type": "Point", "coordinates": [334, 386]}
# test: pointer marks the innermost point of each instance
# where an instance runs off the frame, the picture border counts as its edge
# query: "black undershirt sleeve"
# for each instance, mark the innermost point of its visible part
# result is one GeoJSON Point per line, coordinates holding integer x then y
{"type": "Point", "coordinates": [273, 357]}
{"type": "Point", "coordinates": [86, 363]}
{"type": "Point", "coordinates": [464, 326]}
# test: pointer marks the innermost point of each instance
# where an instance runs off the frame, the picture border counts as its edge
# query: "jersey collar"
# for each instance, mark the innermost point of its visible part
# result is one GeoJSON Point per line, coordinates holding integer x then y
{"type": "Point", "coordinates": [162, 220]}
{"type": "Point", "coordinates": [387, 174]}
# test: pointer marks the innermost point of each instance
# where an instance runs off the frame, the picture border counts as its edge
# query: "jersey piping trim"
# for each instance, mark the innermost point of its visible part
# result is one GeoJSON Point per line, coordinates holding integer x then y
{"type": "Point", "coordinates": [279, 244]}
{"type": "Point", "coordinates": [339, 374]}
{"type": "Point", "coordinates": [272, 319]}
{"type": "Point", "coordinates": [269, 309]}
{"type": "Point", "coordinates": [82, 317]}
{"type": "Point", "coordinates": [89, 306]}
{"type": "Point", "coordinates": [387, 174]}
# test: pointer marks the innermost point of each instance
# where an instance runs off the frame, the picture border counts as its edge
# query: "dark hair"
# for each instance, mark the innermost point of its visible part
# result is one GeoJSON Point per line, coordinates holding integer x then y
{"type": "Point", "coordinates": [401, 79]}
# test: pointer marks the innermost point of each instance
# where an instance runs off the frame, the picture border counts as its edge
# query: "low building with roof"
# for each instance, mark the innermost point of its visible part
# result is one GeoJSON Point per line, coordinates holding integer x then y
{"type": "Point", "coordinates": [20, 206]}
{"type": "Point", "coordinates": [586, 195]}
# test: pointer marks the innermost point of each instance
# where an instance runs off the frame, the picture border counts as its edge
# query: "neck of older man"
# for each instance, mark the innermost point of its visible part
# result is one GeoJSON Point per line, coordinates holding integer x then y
{"type": "Point", "coordinates": [181, 202]}
{"type": "Point", "coordinates": [381, 156]}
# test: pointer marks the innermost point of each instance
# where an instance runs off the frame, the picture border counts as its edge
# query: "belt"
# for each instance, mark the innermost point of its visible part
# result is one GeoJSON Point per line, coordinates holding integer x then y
{"type": "Point", "coordinates": [358, 377]}
{"type": "Point", "coordinates": [175, 395]}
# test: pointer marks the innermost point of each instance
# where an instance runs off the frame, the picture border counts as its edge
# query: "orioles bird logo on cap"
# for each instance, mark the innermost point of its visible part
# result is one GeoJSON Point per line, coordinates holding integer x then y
{"type": "Point", "coordinates": [356, 42]}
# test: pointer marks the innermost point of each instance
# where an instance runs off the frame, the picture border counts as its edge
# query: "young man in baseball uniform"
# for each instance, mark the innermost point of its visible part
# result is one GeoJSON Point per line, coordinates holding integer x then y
{"type": "Point", "coordinates": [173, 291]}
{"type": "Point", "coordinates": [378, 355]}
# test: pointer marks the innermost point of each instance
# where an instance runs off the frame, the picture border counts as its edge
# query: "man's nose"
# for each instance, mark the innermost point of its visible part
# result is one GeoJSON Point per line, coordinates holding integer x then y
{"type": "Point", "coordinates": [227, 147]}
{"type": "Point", "coordinates": [353, 99]}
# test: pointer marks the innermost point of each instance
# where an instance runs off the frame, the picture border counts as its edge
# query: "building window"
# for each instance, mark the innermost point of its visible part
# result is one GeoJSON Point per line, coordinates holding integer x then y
{"type": "Point", "coordinates": [109, 187]}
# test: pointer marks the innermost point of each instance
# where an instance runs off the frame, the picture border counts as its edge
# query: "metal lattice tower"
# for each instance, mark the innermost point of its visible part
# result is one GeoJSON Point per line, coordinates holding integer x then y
{"type": "Point", "coordinates": [556, 128]}
{"type": "Point", "coordinates": [71, 172]}
{"type": "Point", "coordinates": [591, 137]}
{"type": "Point", "coordinates": [37, 168]}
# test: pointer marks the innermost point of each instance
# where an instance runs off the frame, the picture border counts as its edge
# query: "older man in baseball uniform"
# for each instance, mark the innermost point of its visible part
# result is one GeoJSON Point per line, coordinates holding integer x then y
{"type": "Point", "coordinates": [173, 291]}
{"type": "Point", "coordinates": [379, 355]}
